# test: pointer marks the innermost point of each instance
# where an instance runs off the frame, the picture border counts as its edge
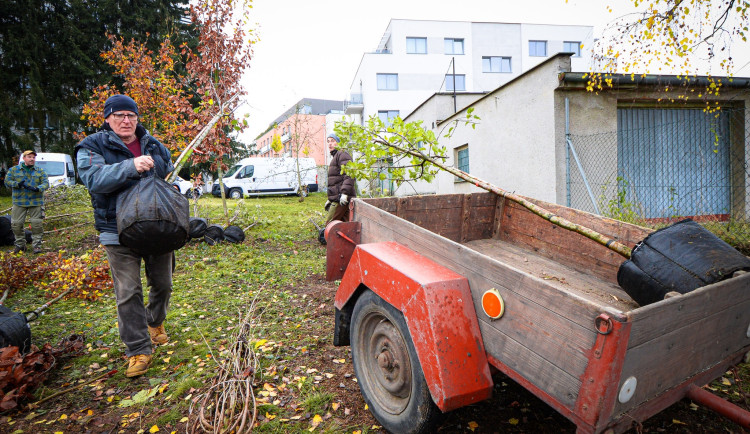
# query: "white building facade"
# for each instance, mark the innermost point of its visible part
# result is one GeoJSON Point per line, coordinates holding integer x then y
{"type": "Point", "coordinates": [416, 59]}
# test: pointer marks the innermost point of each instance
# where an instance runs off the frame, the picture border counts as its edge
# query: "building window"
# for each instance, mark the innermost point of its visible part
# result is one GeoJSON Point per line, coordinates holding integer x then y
{"type": "Point", "coordinates": [460, 80]}
{"type": "Point", "coordinates": [387, 81]}
{"type": "Point", "coordinates": [454, 46]}
{"type": "Point", "coordinates": [416, 45]}
{"type": "Point", "coordinates": [538, 48]}
{"type": "Point", "coordinates": [462, 159]}
{"type": "Point", "coordinates": [387, 116]}
{"type": "Point", "coordinates": [495, 64]}
{"type": "Point", "coordinates": [572, 47]}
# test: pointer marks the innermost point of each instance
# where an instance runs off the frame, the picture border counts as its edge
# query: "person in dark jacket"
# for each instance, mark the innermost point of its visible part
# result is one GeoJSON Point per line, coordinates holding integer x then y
{"type": "Point", "coordinates": [28, 183]}
{"type": "Point", "coordinates": [340, 186]}
{"type": "Point", "coordinates": [109, 162]}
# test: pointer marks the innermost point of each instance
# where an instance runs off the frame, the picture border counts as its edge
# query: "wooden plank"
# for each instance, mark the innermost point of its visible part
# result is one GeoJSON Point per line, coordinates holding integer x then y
{"type": "Point", "coordinates": [554, 381]}
{"type": "Point", "coordinates": [666, 361]}
{"type": "Point", "coordinates": [626, 233]}
{"type": "Point", "coordinates": [498, 219]}
{"type": "Point", "coordinates": [650, 322]}
{"type": "Point", "coordinates": [482, 219]}
{"type": "Point", "coordinates": [400, 205]}
{"type": "Point", "coordinates": [555, 273]}
{"type": "Point", "coordinates": [522, 227]}
{"type": "Point", "coordinates": [465, 218]}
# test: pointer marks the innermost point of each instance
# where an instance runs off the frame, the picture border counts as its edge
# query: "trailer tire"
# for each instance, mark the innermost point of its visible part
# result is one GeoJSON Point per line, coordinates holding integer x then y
{"type": "Point", "coordinates": [387, 368]}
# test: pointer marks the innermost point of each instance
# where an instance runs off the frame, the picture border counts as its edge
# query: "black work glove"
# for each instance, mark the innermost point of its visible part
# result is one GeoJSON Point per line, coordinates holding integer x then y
{"type": "Point", "coordinates": [35, 189]}
{"type": "Point", "coordinates": [22, 184]}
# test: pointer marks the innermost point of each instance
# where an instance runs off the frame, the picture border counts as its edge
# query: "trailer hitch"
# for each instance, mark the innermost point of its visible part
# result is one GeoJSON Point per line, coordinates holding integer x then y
{"type": "Point", "coordinates": [725, 408]}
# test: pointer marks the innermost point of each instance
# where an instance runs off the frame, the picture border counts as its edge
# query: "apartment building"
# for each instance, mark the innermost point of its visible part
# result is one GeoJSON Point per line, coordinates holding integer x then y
{"type": "Point", "coordinates": [417, 58]}
{"type": "Point", "coordinates": [302, 130]}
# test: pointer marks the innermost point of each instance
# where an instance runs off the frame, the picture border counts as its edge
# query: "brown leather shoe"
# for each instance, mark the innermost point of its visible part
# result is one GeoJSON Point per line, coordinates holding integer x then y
{"type": "Point", "coordinates": [158, 335]}
{"type": "Point", "coordinates": [138, 365]}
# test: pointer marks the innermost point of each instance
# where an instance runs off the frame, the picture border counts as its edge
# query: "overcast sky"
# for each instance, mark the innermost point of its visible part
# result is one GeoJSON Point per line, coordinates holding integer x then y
{"type": "Point", "coordinates": [312, 48]}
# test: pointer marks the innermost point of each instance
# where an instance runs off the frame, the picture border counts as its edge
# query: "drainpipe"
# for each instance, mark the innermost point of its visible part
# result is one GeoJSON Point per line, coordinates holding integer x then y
{"type": "Point", "coordinates": [453, 61]}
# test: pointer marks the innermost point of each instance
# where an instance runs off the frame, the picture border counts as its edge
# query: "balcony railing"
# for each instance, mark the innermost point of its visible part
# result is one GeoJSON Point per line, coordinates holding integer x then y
{"type": "Point", "coordinates": [354, 104]}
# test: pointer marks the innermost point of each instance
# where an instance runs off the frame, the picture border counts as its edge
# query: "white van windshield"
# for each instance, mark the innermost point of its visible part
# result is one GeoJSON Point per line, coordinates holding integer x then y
{"type": "Point", "coordinates": [53, 168]}
{"type": "Point", "coordinates": [232, 171]}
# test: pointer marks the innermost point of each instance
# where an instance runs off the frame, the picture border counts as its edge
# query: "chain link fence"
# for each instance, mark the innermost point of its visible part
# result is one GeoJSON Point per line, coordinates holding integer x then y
{"type": "Point", "coordinates": [661, 166]}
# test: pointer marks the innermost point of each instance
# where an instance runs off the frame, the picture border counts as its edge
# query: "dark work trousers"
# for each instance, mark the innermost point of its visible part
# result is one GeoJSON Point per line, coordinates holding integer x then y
{"type": "Point", "coordinates": [133, 318]}
{"type": "Point", "coordinates": [338, 212]}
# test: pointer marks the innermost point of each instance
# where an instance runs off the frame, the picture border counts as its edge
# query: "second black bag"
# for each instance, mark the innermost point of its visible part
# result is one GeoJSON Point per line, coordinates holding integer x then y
{"type": "Point", "coordinates": [197, 227]}
{"type": "Point", "coordinates": [680, 258]}
{"type": "Point", "coordinates": [153, 217]}
{"type": "Point", "coordinates": [14, 330]}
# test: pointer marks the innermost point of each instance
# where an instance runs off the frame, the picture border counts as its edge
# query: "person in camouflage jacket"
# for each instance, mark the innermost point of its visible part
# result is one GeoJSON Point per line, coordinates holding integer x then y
{"type": "Point", "coordinates": [28, 183]}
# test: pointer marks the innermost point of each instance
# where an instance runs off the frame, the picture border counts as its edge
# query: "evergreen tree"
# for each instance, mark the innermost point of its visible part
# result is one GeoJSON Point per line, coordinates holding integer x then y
{"type": "Point", "coordinates": [50, 56]}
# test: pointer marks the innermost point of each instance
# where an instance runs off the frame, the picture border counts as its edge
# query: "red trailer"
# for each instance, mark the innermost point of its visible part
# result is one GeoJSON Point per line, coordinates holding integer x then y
{"type": "Point", "coordinates": [437, 290]}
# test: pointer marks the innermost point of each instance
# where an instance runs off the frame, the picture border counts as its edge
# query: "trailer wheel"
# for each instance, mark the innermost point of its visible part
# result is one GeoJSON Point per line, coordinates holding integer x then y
{"type": "Point", "coordinates": [387, 368]}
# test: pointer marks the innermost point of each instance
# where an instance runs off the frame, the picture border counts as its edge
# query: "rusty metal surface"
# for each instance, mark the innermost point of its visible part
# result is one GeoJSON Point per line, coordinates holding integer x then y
{"type": "Point", "coordinates": [341, 238]}
{"type": "Point", "coordinates": [725, 408]}
{"type": "Point", "coordinates": [599, 390]}
{"type": "Point", "coordinates": [439, 312]}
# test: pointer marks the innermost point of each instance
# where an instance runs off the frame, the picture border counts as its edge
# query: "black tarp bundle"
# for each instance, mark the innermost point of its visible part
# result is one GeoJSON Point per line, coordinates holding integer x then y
{"type": "Point", "coordinates": [153, 217]}
{"type": "Point", "coordinates": [14, 330]}
{"type": "Point", "coordinates": [681, 257]}
{"type": "Point", "coordinates": [234, 234]}
{"type": "Point", "coordinates": [214, 234]}
{"type": "Point", "coordinates": [6, 232]}
{"type": "Point", "coordinates": [197, 227]}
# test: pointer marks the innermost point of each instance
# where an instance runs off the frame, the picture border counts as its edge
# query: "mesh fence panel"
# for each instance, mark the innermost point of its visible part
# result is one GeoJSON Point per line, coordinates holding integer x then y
{"type": "Point", "coordinates": [661, 166]}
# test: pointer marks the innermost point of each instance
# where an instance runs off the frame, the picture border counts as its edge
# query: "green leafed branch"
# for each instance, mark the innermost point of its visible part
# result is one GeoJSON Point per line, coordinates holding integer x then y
{"type": "Point", "coordinates": [414, 153]}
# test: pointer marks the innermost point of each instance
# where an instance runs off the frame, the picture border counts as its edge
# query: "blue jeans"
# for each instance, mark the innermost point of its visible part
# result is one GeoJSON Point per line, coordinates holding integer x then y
{"type": "Point", "coordinates": [133, 317]}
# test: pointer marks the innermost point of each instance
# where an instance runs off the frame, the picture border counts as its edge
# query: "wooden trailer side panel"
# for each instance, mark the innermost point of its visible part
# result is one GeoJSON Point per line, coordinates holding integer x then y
{"type": "Point", "coordinates": [522, 227]}
{"type": "Point", "coordinates": [678, 338]}
{"type": "Point", "coordinates": [544, 335]}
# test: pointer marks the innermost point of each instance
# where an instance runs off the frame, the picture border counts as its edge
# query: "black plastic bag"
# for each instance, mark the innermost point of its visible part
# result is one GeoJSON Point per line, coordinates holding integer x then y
{"type": "Point", "coordinates": [197, 227]}
{"type": "Point", "coordinates": [214, 234]}
{"type": "Point", "coordinates": [234, 234]}
{"type": "Point", "coordinates": [6, 232]}
{"type": "Point", "coordinates": [152, 217]}
{"type": "Point", "coordinates": [681, 257]}
{"type": "Point", "coordinates": [14, 330]}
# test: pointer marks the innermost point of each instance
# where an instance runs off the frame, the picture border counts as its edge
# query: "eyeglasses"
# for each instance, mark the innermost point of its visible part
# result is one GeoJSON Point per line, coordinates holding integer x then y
{"type": "Point", "coordinates": [121, 116]}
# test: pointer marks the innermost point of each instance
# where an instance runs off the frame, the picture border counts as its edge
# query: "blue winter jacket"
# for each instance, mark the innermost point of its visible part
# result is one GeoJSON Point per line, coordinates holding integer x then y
{"type": "Point", "coordinates": [106, 167]}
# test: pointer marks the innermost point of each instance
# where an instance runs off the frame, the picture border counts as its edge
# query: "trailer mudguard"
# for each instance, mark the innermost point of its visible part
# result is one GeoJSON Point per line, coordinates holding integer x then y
{"type": "Point", "coordinates": [439, 312]}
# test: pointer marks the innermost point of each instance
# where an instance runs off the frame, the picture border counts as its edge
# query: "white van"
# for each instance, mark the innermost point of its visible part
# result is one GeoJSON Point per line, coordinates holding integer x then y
{"type": "Point", "coordinates": [59, 168]}
{"type": "Point", "coordinates": [264, 176]}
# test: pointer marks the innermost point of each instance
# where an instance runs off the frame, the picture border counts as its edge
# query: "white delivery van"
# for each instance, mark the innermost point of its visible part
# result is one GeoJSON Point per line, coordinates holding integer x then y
{"type": "Point", "coordinates": [267, 175]}
{"type": "Point", "coordinates": [59, 168]}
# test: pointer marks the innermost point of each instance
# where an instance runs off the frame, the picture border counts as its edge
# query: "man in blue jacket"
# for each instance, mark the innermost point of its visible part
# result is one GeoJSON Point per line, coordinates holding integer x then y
{"type": "Point", "coordinates": [28, 183]}
{"type": "Point", "coordinates": [109, 162]}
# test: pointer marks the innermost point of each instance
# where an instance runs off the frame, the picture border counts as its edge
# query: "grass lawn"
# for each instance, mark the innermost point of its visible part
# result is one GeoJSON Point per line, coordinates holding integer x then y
{"type": "Point", "coordinates": [303, 383]}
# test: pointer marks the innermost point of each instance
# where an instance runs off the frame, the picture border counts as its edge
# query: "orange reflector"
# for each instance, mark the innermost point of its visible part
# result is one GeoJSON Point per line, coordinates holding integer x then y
{"type": "Point", "coordinates": [493, 304]}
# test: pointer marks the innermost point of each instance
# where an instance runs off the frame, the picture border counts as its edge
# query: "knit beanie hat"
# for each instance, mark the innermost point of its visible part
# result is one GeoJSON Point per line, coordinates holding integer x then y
{"type": "Point", "coordinates": [334, 137]}
{"type": "Point", "coordinates": [119, 102]}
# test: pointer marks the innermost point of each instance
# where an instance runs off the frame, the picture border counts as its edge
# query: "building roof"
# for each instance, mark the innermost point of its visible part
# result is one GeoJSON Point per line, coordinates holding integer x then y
{"type": "Point", "coordinates": [317, 107]}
